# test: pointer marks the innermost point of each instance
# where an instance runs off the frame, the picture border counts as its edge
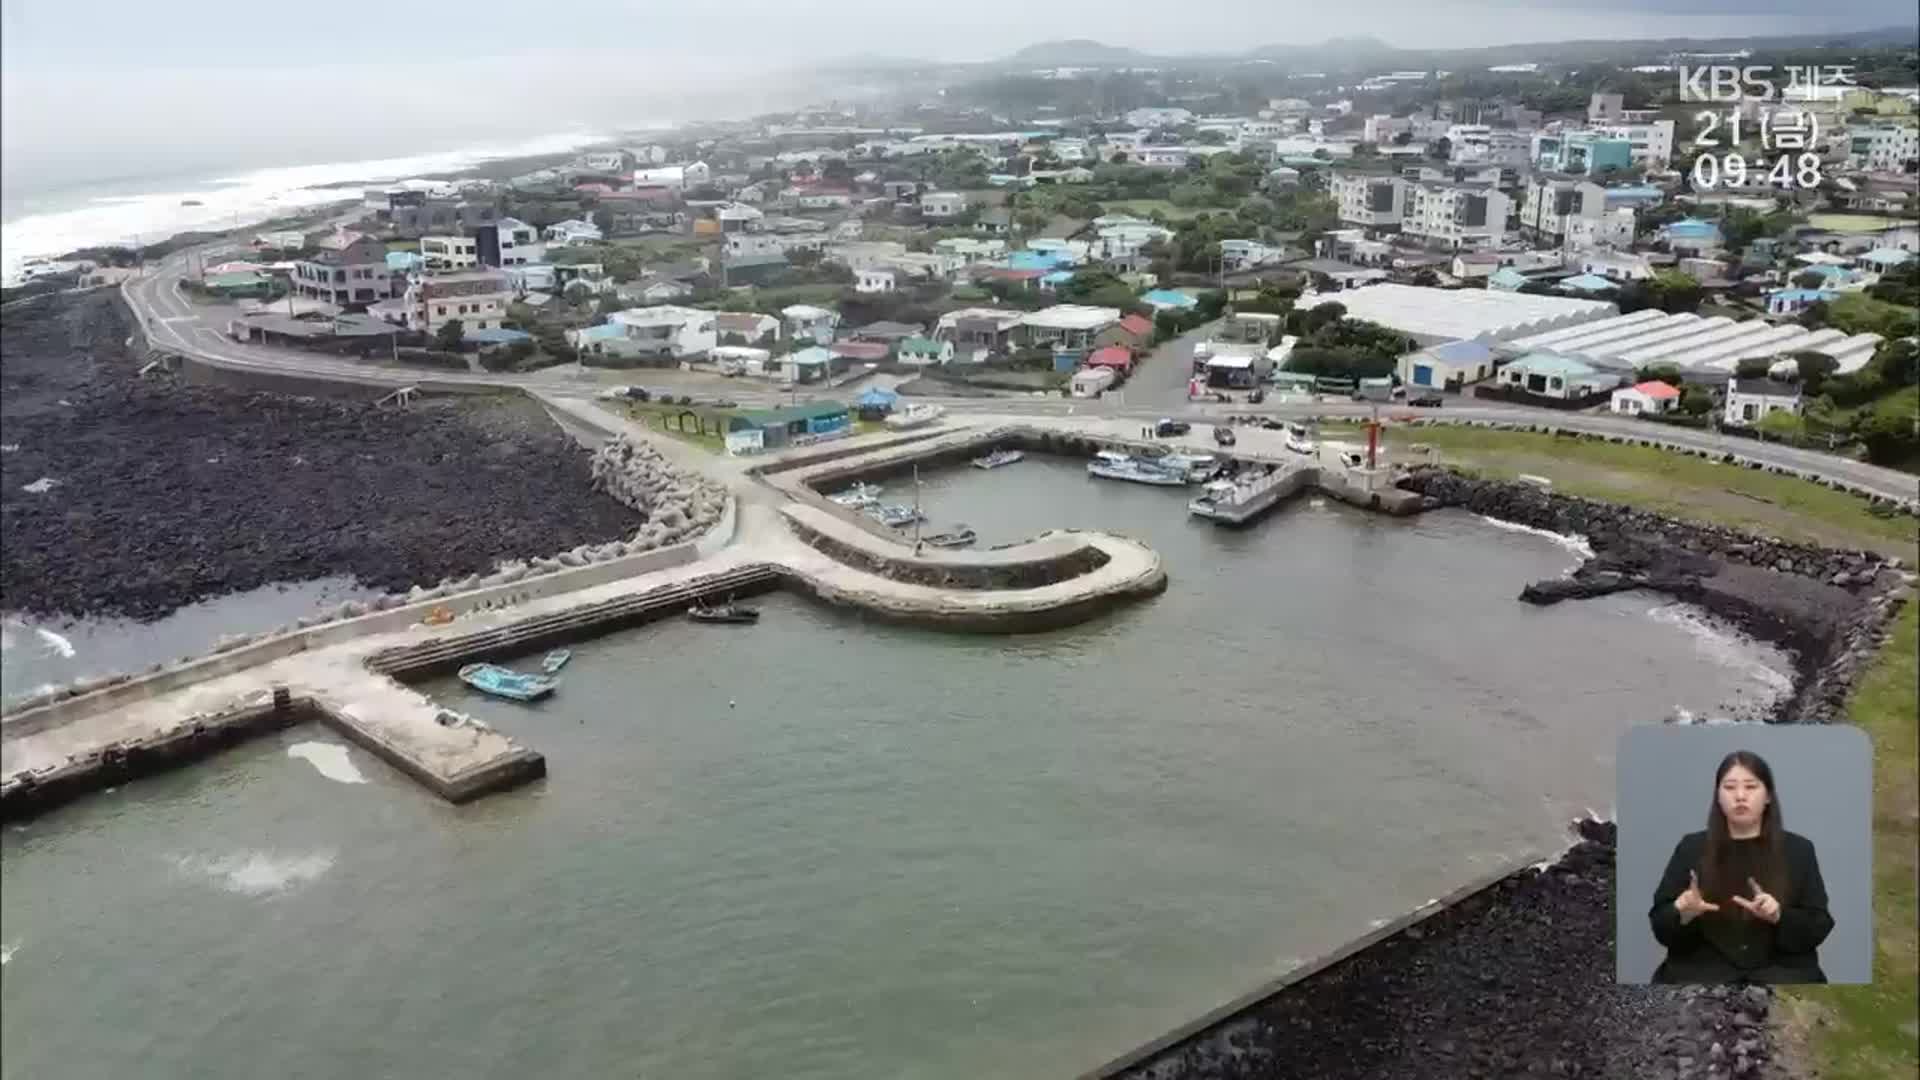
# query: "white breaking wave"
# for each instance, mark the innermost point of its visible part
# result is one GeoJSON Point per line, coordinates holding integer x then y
{"type": "Point", "coordinates": [1721, 644]}
{"type": "Point", "coordinates": [6, 953]}
{"type": "Point", "coordinates": [55, 642]}
{"type": "Point", "coordinates": [1576, 544]}
{"type": "Point", "coordinates": [233, 201]}
{"type": "Point", "coordinates": [258, 873]}
{"type": "Point", "coordinates": [329, 759]}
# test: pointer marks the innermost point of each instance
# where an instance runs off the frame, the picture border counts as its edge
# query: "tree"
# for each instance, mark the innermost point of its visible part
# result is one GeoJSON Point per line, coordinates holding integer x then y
{"type": "Point", "coordinates": [1426, 277]}
{"type": "Point", "coordinates": [1696, 400]}
{"type": "Point", "coordinates": [451, 335]}
{"type": "Point", "coordinates": [1814, 315]}
{"type": "Point", "coordinates": [1403, 138]}
{"type": "Point", "coordinates": [1666, 373]}
{"type": "Point", "coordinates": [1814, 370]}
{"type": "Point", "coordinates": [603, 220]}
{"type": "Point", "coordinates": [1441, 149]}
{"type": "Point", "coordinates": [1782, 424]}
{"type": "Point", "coordinates": [1752, 367]}
{"type": "Point", "coordinates": [1809, 280]}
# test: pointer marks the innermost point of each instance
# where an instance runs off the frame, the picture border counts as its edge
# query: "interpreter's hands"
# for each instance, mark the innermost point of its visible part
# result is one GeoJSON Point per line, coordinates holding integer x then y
{"type": "Point", "coordinates": [1690, 904]}
{"type": "Point", "coordinates": [1762, 906]}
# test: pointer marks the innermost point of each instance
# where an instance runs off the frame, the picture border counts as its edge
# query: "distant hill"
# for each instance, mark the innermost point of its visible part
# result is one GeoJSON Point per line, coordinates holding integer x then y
{"type": "Point", "coordinates": [1074, 51]}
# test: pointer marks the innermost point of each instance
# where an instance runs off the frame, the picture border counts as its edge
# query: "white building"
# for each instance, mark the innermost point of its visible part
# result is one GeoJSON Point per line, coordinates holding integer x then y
{"type": "Point", "coordinates": [1652, 397]}
{"type": "Point", "coordinates": [875, 281]}
{"type": "Point", "coordinates": [1381, 129]}
{"type": "Point", "coordinates": [520, 243]}
{"type": "Point", "coordinates": [1162, 157]}
{"type": "Point", "coordinates": [667, 330]}
{"type": "Point", "coordinates": [804, 322]}
{"type": "Point", "coordinates": [1238, 255]}
{"type": "Point", "coordinates": [1456, 217]}
{"type": "Point", "coordinates": [443, 253]}
{"type": "Point", "coordinates": [572, 231]}
{"type": "Point", "coordinates": [1649, 145]}
{"type": "Point", "coordinates": [1613, 265]}
{"type": "Point", "coordinates": [1750, 400]}
{"type": "Point", "coordinates": [1447, 366]}
{"type": "Point", "coordinates": [1068, 326]}
{"type": "Point", "coordinates": [1468, 143]}
{"type": "Point", "coordinates": [1891, 148]}
{"type": "Point", "coordinates": [1371, 202]}
{"type": "Point", "coordinates": [1611, 230]}
{"type": "Point", "coordinates": [941, 205]}
{"type": "Point", "coordinates": [1555, 376]}
{"type": "Point", "coordinates": [478, 299]}
{"type": "Point", "coordinates": [1431, 316]}
{"type": "Point", "coordinates": [677, 177]}
{"type": "Point", "coordinates": [1158, 118]}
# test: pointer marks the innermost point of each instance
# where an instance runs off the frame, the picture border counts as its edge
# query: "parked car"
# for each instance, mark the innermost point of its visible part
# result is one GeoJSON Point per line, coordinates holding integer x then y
{"type": "Point", "coordinates": [1166, 428]}
{"type": "Point", "coordinates": [1224, 435]}
{"type": "Point", "coordinates": [1259, 395]}
{"type": "Point", "coordinates": [1428, 400]}
{"type": "Point", "coordinates": [726, 403]}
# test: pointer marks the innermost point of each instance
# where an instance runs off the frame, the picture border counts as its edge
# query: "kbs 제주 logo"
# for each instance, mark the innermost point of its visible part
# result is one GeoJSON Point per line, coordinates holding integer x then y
{"type": "Point", "coordinates": [1763, 133]}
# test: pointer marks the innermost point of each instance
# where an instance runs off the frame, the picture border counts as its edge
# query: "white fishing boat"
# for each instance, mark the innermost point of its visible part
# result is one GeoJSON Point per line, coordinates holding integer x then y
{"type": "Point", "coordinates": [857, 497]}
{"type": "Point", "coordinates": [1300, 441]}
{"type": "Point", "coordinates": [997, 459]}
{"type": "Point", "coordinates": [1198, 468]}
{"type": "Point", "coordinates": [894, 515]}
{"type": "Point", "coordinates": [1239, 500]}
{"type": "Point", "coordinates": [914, 416]}
{"type": "Point", "coordinates": [1113, 465]}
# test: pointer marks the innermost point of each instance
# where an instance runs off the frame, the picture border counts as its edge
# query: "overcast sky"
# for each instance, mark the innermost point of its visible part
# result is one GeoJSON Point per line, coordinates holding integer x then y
{"type": "Point", "coordinates": [138, 86]}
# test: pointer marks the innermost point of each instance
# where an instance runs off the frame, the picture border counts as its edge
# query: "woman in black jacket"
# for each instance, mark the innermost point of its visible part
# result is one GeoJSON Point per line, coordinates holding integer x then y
{"type": "Point", "coordinates": [1743, 901]}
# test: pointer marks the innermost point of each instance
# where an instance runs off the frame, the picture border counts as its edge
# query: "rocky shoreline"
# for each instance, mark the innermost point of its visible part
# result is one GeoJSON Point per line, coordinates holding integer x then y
{"type": "Point", "coordinates": [134, 495]}
{"type": "Point", "coordinates": [1828, 608]}
{"type": "Point", "coordinates": [1515, 980]}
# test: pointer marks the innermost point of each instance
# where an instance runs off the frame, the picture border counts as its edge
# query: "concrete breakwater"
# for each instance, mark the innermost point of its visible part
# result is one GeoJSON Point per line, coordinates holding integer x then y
{"type": "Point", "coordinates": [1508, 976]}
{"type": "Point", "coordinates": [1829, 608]}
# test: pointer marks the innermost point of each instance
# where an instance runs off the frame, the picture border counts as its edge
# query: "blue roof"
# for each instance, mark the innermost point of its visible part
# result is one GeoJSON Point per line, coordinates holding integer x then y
{"type": "Point", "coordinates": [1693, 229]}
{"type": "Point", "coordinates": [1644, 191]}
{"type": "Point", "coordinates": [498, 336]}
{"type": "Point", "coordinates": [1588, 283]}
{"type": "Point", "coordinates": [1551, 364]}
{"type": "Point", "coordinates": [877, 396]}
{"type": "Point", "coordinates": [402, 260]}
{"type": "Point", "coordinates": [1507, 277]}
{"type": "Point", "coordinates": [1038, 260]}
{"type": "Point", "coordinates": [1887, 256]}
{"type": "Point", "coordinates": [1807, 295]}
{"type": "Point", "coordinates": [1828, 272]}
{"type": "Point", "coordinates": [1465, 351]}
{"type": "Point", "coordinates": [1169, 298]}
{"type": "Point", "coordinates": [603, 332]}
{"type": "Point", "coordinates": [1058, 277]}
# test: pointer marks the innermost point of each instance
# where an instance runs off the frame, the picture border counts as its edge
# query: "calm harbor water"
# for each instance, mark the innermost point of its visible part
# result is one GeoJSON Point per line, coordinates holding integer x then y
{"type": "Point", "coordinates": [821, 847]}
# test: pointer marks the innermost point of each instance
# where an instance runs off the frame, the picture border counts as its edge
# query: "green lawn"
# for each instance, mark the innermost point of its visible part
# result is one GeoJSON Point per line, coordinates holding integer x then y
{"type": "Point", "coordinates": [1868, 1032]}
{"type": "Point", "coordinates": [1843, 1032]}
{"type": "Point", "coordinates": [1677, 484]}
{"type": "Point", "coordinates": [1149, 207]}
{"type": "Point", "coordinates": [1853, 223]}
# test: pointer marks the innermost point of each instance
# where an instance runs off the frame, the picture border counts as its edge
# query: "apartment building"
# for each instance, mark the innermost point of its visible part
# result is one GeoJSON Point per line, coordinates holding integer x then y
{"type": "Point", "coordinates": [1552, 203]}
{"type": "Point", "coordinates": [1890, 148]}
{"type": "Point", "coordinates": [444, 253]}
{"type": "Point", "coordinates": [1382, 129]}
{"type": "Point", "coordinates": [1585, 153]}
{"type": "Point", "coordinates": [1370, 202]}
{"type": "Point", "coordinates": [1456, 217]}
{"type": "Point", "coordinates": [1649, 144]}
{"type": "Point", "coordinates": [478, 299]}
{"type": "Point", "coordinates": [355, 274]}
{"type": "Point", "coordinates": [520, 243]}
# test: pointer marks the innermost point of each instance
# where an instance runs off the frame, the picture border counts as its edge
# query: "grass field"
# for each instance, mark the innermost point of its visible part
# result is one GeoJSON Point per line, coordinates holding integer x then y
{"type": "Point", "coordinates": [1852, 223]}
{"type": "Point", "coordinates": [1149, 207]}
{"type": "Point", "coordinates": [1677, 484]}
{"type": "Point", "coordinates": [1832, 1032]}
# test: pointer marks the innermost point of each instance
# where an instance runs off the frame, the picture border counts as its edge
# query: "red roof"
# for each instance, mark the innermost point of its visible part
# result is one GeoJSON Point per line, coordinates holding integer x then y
{"type": "Point", "coordinates": [1137, 325]}
{"type": "Point", "coordinates": [1654, 388]}
{"type": "Point", "coordinates": [1113, 356]}
{"type": "Point", "coordinates": [861, 350]}
{"type": "Point", "coordinates": [1006, 274]}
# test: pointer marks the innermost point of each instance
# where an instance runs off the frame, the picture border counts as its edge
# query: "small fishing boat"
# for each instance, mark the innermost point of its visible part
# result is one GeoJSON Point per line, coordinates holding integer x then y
{"type": "Point", "coordinates": [508, 683]}
{"type": "Point", "coordinates": [952, 538]}
{"type": "Point", "coordinates": [997, 459]}
{"type": "Point", "coordinates": [555, 660]}
{"type": "Point", "coordinates": [914, 416]}
{"type": "Point", "coordinates": [857, 497]}
{"type": "Point", "coordinates": [1113, 465]}
{"type": "Point", "coordinates": [895, 515]}
{"type": "Point", "coordinates": [728, 612]}
{"type": "Point", "coordinates": [1299, 441]}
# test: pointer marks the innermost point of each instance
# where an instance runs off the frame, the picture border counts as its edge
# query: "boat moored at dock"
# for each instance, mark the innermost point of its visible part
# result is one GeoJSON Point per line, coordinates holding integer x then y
{"type": "Point", "coordinates": [857, 497]}
{"type": "Point", "coordinates": [1114, 465]}
{"type": "Point", "coordinates": [506, 683]}
{"type": "Point", "coordinates": [895, 515]}
{"type": "Point", "coordinates": [952, 538]}
{"type": "Point", "coordinates": [998, 458]}
{"type": "Point", "coordinates": [914, 416]}
{"type": "Point", "coordinates": [1240, 499]}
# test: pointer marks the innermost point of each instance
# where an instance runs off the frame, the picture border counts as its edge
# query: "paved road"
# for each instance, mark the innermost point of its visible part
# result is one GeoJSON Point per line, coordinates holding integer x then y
{"type": "Point", "coordinates": [176, 324]}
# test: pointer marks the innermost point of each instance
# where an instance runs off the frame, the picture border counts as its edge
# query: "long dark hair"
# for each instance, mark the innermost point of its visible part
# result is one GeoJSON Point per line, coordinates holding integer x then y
{"type": "Point", "coordinates": [1718, 879]}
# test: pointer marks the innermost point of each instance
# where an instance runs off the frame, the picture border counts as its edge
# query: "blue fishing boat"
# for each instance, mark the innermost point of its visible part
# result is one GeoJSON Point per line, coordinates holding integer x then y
{"type": "Point", "coordinates": [508, 683]}
{"type": "Point", "coordinates": [555, 660]}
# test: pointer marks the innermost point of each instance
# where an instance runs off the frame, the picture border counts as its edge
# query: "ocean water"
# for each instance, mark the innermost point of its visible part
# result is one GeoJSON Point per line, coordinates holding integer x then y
{"type": "Point", "coordinates": [145, 209]}
{"type": "Point", "coordinates": [827, 847]}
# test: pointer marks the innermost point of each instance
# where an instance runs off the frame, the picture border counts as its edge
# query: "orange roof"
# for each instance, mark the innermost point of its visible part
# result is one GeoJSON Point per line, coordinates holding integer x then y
{"type": "Point", "coordinates": [1654, 388]}
{"type": "Point", "coordinates": [1113, 356]}
{"type": "Point", "coordinates": [1136, 324]}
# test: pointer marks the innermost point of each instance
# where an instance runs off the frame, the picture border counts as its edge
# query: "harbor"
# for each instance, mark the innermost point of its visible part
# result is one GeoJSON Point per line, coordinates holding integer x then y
{"type": "Point", "coordinates": [708, 785]}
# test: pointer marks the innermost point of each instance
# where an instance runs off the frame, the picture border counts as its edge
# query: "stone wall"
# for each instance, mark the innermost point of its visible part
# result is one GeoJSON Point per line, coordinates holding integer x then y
{"type": "Point", "coordinates": [936, 574]}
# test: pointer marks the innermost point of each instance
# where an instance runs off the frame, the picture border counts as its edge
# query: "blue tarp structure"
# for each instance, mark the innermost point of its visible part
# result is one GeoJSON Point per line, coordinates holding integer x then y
{"type": "Point", "coordinates": [877, 398]}
{"type": "Point", "coordinates": [500, 336]}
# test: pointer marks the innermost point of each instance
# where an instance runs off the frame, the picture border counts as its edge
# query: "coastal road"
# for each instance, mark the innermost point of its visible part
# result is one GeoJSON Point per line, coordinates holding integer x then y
{"type": "Point", "coordinates": [176, 324]}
